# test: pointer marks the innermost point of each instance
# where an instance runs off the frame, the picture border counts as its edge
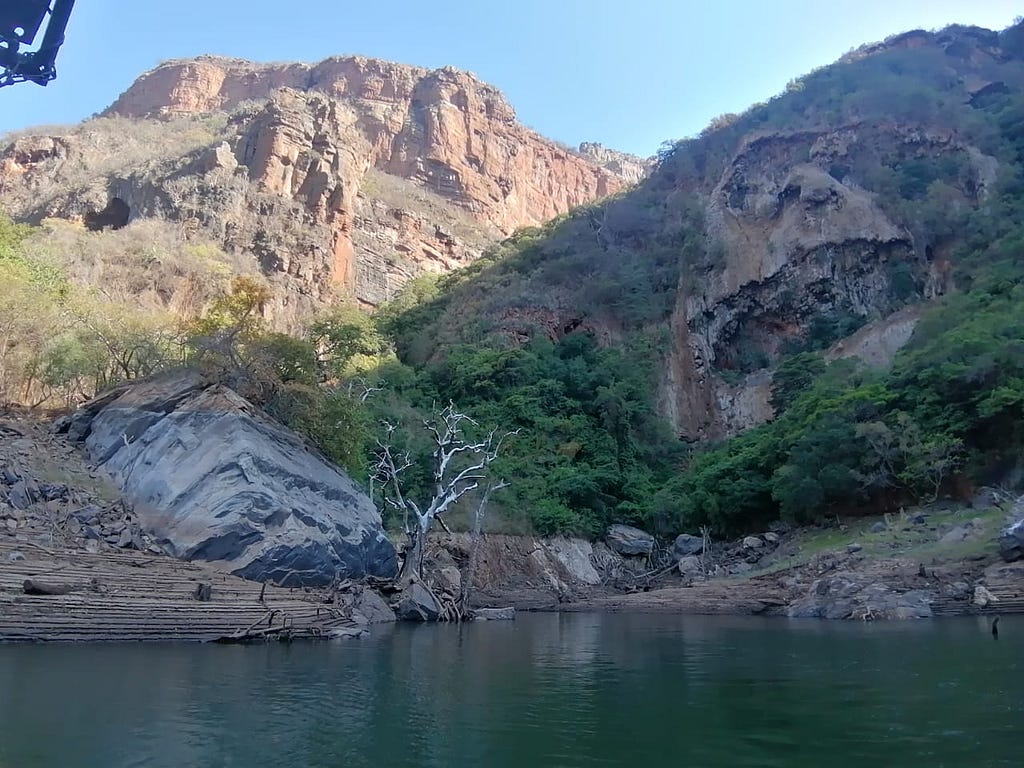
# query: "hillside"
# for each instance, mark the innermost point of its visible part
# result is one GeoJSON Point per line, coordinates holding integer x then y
{"type": "Point", "coordinates": [731, 287]}
{"type": "Point", "coordinates": [346, 177]}
{"type": "Point", "coordinates": [811, 309]}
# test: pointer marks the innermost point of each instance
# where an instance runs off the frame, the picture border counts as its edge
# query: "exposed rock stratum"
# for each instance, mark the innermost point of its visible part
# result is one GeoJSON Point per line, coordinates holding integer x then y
{"type": "Point", "coordinates": [345, 177]}
{"type": "Point", "coordinates": [213, 479]}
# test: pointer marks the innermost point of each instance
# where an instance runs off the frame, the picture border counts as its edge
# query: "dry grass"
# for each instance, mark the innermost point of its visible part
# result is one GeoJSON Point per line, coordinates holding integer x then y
{"type": "Point", "coordinates": [149, 263]}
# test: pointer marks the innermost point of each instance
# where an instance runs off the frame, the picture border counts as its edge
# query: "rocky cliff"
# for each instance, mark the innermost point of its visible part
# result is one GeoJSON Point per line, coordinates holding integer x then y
{"type": "Point", "coordinates": [351, 175]}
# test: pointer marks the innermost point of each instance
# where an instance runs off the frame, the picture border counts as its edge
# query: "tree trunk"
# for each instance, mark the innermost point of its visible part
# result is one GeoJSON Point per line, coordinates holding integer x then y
{"type": "Point", "coordinates": [474, 546]}
{"type": "Point", "coordinates": [413, 565]}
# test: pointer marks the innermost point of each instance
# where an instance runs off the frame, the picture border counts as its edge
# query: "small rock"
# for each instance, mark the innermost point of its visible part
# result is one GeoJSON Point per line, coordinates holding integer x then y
{"type": "Point", "coordinates": [958, 534]}
{"type": "Point", "coordinates": [16, 557]}
{"type": "Point", "coordinates": [771, 538]}
{"type": "Point", "coordinates": [53, 491]}
{"type": "Point", "coordinates": [919, 519]}
{"type": "Point", "coordinates": [879, 527]}
{"type": "Point", "coordinates": [92, 546]}
{"type": "Point", "coordinates": [494, 614]}
{"type": "Point", "coordinates": [752, 542]}
{"type": "Point", "coordinates": [347, 633]}
{"type": "Point", "coordinates": [124, 541]}
{"type": "Point", "coordinates": [854, 547]}
{"type": "Point", "coordinates": [22, 495]}
{"type": "Point", "coordinates": [12, 524]}
{"type": "Point", "coordinates": [10, 477]}
{"type": "Point", "coordinates": [88, 514]}
{"type": "Point", "coordinates": [983, 598]}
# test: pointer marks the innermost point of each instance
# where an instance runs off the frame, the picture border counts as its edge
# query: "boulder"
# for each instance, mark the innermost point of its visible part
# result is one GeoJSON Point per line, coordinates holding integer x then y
{"type": "Point", "coordinates": [417, 604]}
{"type": "Point", "coordinates": [752, 542]}
{"type": "Point", "coordinates": [983, 598]}
{"type": "Point", "coordinates": [576, 555]}
{"type": "Point", "coordinates": [212, 478]}
{"type": "Point", "coordinates": [627, 540]}
{"type": "Point", "coordinates": [686, 545]}
{"type": "Point", "coordinates": [1011, 538]}
{"type": "Point", "coordinates": [494, 614]}
{"type": "Point", "coordinates": [369, 607]}
{"type": "Point", "coordinates": [770, 538]}
{"type": "Point", "coordinates": [879, 527]}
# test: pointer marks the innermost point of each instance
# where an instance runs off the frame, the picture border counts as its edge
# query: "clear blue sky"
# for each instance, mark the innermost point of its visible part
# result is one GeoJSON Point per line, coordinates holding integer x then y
{"type": "Point", "coordinates": [627, 73]}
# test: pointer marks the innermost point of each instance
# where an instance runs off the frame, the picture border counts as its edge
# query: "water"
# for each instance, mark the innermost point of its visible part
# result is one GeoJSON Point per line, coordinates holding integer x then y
{"type": "Point", "coordinates": [547, 690]}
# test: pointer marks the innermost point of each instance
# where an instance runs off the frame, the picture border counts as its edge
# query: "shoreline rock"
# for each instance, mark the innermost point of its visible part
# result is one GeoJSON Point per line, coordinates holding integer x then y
{"type": "Point", "coordinates": [213, 479]}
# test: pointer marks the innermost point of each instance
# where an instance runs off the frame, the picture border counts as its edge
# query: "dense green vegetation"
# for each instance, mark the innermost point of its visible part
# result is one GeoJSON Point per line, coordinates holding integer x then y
{"type": "Point", "coordinates": [560, 332]}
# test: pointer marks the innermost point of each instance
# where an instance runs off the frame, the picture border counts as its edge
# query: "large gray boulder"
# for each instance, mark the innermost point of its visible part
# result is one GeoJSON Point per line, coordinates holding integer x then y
{"type": "Point", "coordinates": [214, 479]}
{"type": "Point", "coordinates": [627, 540]}
{"type": "Point", "coordinates": [1011, 538]}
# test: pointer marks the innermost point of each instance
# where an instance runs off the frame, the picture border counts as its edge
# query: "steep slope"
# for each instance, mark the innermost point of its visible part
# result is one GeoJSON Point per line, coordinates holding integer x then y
{"type": "Point", "coordinates": [872, 212]}
{"type": "Point", "coordinates": [782, 229]}
{"type": "Point", "coordinates": [350, 175]}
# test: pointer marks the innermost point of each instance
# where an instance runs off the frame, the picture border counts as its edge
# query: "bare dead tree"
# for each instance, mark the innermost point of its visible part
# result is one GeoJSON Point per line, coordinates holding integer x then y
{"type": "Point", "coordinates": [459, 466]}
{"type": "Point", "coordinates": [705, 548]}
{"type": "Point", "coordinates": [474, 545]}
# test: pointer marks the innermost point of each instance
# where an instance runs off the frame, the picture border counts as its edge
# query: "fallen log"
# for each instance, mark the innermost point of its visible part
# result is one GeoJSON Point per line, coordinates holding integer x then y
{"type": "Point", "coordinates": [39, 587]}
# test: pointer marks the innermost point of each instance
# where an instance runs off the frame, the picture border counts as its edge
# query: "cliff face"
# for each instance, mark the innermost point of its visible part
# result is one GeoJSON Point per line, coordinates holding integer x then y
{"type": "Point", "coordinates": [351, 174]}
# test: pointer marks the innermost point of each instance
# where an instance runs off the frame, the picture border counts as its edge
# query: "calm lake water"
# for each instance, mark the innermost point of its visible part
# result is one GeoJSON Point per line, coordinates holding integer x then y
{"type": "Point", "coordinates": [546, 690]}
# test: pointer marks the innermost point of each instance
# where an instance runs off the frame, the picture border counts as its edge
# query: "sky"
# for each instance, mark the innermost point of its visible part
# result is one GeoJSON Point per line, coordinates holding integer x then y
{"type": "Point", "coordinates": [627, 73]}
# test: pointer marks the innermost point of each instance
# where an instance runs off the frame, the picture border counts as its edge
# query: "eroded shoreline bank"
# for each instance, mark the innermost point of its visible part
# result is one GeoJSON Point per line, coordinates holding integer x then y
{"type": "Point", "coordinates": [63, 524]}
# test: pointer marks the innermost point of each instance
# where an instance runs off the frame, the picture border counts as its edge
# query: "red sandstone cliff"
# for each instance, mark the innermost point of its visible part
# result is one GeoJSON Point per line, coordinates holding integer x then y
{"type": "Point", "coordinates": [353, 173]}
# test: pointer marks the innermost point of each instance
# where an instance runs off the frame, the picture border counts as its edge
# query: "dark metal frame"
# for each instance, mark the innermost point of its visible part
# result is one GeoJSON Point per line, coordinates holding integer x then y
{"type": "Point", "coordinates": [20, 21]}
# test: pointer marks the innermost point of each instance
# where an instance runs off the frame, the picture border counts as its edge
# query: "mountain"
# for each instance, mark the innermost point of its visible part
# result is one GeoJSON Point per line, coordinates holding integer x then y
{"type": "Point", "coordinates": [826, 209]}
{"type": "Point", "coordinates": [811, 308]}
{"type": "Point", "coordinates": [821, 297]}
{"type": "Point", "coordinates": [348, 176]}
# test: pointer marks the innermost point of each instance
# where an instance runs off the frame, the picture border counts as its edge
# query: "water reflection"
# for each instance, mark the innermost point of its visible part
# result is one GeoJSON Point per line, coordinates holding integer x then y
{"type": "Point", "coordinates": [570, 690]}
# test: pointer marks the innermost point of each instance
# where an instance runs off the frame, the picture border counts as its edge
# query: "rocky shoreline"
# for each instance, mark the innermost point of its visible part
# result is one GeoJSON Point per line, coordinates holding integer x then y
{"type": "Point", "coordinates": [62, 523]}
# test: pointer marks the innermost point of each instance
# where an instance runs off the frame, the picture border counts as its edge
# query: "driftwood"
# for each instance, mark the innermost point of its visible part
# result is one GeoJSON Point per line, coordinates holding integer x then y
{"type": "Point", "coordinates": [39, 587]}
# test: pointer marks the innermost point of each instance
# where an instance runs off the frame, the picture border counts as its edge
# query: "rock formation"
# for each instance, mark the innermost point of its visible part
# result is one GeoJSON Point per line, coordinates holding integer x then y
{"type": "Point", "coordinates": [212, 479]}
{"type": "Point", "coordinates": [351, 175]}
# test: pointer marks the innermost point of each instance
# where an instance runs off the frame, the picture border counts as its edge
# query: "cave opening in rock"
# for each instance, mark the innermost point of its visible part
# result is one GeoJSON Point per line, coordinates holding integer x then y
{"type": "Point", "coordinates": [114, 216]}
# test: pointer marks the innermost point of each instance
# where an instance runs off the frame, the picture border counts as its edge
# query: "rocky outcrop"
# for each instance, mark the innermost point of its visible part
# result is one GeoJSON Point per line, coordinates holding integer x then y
{"type": "Point", "coordinates": [629, 168]}
{"type": "Point", "coordinates": [846, 596]}
{"type": "Point", "coordinates": [212, 479]}
{"type": "Point", "coordinates": [795, 241]}
{"type": "Point", "coordinates": [1011, 538]}
{"type": "Point", "coordinates": [349, 176]}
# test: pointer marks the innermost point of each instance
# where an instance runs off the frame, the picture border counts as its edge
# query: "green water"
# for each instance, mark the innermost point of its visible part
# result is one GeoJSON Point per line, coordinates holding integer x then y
{"type": "Point", "coordinates": [547, 690]}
